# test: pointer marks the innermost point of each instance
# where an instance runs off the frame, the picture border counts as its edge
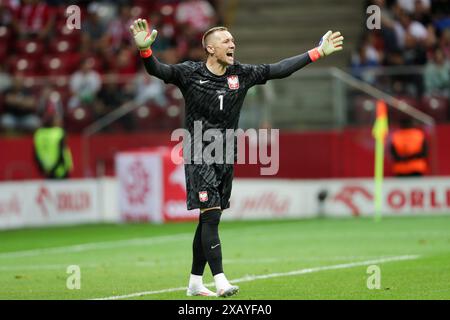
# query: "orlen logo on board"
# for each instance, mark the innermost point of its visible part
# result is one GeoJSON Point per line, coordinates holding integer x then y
{"type": "Point", "coordinates": [62, 201]}
{"type": "Point", "coordinates": [421, 198]}
{"type": "Point", "coordinates": [348, 194]}
{"type": "Point", "coordinates": [418, 198]}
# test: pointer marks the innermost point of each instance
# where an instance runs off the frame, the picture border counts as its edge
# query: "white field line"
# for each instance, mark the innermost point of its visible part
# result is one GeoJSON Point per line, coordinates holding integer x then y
{"type": "Point", "coordinates": [274, 275]}
{"type": "Point", "coordinates": [96, 246]}
{"type": "Point", "coordinates": [145, 264]}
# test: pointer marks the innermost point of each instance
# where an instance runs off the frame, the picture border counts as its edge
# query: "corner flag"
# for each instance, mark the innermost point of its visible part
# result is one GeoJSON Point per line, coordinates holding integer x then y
{"type": "Point", "coordinates": [379, 132]}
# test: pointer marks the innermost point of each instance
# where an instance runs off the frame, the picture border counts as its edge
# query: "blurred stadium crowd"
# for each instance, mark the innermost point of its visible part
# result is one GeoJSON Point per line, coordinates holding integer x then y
{"type": "Point", "coordinates": [414, 44]}
{"type": "Point", "coordinates": [47, 69]}
{"type": "Point", "coordinates": [82, 75]}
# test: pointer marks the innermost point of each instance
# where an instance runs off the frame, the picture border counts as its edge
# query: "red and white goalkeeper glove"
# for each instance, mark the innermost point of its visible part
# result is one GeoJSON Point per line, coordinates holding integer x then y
{"type": "Point", "coordinates": [142, 36]}
{"type": "Point", "coordinates": [330, 43]}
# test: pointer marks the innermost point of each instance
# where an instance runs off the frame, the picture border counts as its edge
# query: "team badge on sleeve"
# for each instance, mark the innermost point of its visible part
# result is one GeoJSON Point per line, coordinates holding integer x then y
{"type": "Point", "coordinates": [203, 196]}
{"type": "Point", "coordinates": [233, 82]}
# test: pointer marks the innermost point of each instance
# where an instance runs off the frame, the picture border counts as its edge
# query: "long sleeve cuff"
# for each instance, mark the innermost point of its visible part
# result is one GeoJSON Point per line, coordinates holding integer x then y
{"type": "Point", "coordinates": [146, 53]}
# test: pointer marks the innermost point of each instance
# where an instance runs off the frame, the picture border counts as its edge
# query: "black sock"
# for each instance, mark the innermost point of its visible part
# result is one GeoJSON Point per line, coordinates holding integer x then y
{"type": "Point", "coordinates": [210, 239]}
{"type": "Point", "coordinates": [198, 257]}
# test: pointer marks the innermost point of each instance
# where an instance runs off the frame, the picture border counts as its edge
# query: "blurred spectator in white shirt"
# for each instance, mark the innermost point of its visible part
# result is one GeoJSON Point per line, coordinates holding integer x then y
{"type": "Point", "coordinates": [408, 31]}
{"type": "Point", "coordinates": [412, 37]}
{"type": "Point", "coordinates": [5, 79]}
{"type": "Point", "coordinates": [437, 75]}
{"type": "Point", "coordinates": [84, 85]}
{"type": "Point", "coordinates": [149, 89]}
{"type": "Point", "coordinates": [410, 5]}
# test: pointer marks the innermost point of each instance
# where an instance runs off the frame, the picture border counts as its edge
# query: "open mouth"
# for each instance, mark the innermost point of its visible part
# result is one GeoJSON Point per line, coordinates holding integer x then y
{"type": "Point", "coordinates": [230, 54]}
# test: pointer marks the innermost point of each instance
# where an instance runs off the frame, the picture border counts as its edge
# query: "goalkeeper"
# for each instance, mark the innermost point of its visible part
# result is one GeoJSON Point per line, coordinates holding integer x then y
{"type": "Point", "coordinates": [214, 91]}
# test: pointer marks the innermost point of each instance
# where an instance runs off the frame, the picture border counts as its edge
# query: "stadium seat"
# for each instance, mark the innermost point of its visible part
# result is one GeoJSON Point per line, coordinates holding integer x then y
{"type": "Point", "coordinates": [76, 119]}
{"type": "Point", "coordinates": [62, 45]}
{"type": "Point", "coordinates": [2, 103]}
{"type": "Point", "coordinates": [395, 115]}
{"type": "Point", "coordinates": [3, 52]}
{"type": "Point", "coordinates": [436, 107]}
{"type": "Point", "coordinates": [98, 64]}
{"type": "Point", "coordinates": [174, 109]}
{"type": "Point", "coordinates": [149, 5]}
{"type": "Point", "coordinates": [5, 34]}
{"type": "Point", "coordinates": [23, 65]}
{"type": "Point", "coordinates": [32, 48]}
{"type": "Point", "coordinates": [64, 33]}
{"type": "Point", "coordinates": [149, 117]}
{"type": "Point", "coordinates": [63, 89]}
{"type": "Point", "coordinates": [58, 64]}
{"type": "Point", "coordinates": [139, 10]}
{"type": "Point", "coordinates": [172, 119]}
{"type": "Point", "coordinates": [168, 12]}
{"type": "Point", "coordinates": [364, 109]}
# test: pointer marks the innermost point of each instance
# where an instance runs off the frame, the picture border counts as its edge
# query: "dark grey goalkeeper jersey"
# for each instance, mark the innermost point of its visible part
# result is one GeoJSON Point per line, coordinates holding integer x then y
{"type": "Point", "coordinates": [214, 100]}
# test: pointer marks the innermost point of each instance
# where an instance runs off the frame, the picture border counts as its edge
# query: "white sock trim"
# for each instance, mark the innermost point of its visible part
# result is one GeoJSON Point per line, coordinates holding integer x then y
{"type": "Point", "coordinates": [221, 281]}
{"type": "Point", "coordinates": [195, 281]}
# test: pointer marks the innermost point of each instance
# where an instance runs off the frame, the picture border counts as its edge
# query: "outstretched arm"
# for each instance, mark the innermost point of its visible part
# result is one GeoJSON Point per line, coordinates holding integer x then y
{"type": "Point", "coordinates": [144, 39]}
{"type": "Point", "coordinates": [330, 43]}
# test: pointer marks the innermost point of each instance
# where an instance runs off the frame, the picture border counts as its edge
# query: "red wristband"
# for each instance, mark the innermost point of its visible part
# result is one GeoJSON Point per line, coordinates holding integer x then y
{"type": "Point", "coordinates": [314, 54]}
{"type": "Point", "coordinates": [146, 53]}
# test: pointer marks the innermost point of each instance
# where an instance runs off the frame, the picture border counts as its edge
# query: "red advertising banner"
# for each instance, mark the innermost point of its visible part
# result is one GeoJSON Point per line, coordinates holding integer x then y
{"type": "Point", "coordinates": [151, 186]}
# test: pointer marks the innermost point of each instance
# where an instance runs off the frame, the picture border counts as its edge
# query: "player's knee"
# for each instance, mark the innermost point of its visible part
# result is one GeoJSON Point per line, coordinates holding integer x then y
{"type": "Point", "coordinates": [211, 216]}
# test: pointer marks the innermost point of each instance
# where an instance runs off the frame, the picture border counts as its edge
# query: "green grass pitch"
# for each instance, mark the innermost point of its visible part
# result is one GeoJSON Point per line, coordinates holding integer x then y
{"type": "Point", "coordinates": [328, 259]}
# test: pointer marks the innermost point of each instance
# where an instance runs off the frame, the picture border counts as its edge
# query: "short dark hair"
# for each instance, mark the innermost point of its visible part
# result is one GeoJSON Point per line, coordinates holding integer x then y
{"type": "Point", "coordinates": [210, 32]}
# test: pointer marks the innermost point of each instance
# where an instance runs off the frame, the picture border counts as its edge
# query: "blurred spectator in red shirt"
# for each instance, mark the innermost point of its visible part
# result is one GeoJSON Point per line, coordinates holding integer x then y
{"type": "Point", "coordinates": [119, 28]}
{"type": "Point", "coordinates": [20, 107]}
{"type": "Point", "coordinates": [199, 14]}
{"type": "Point", "coordinates": [34, 18]}
{"type": "Point", "coordinates": [50, 103]}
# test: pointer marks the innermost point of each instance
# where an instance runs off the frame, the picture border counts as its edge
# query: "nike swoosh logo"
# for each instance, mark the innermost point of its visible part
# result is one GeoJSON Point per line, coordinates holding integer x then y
{"type": "Point", "coordinates": [212, 247]}
{"type": "Point", "coordinates": [204, 81]}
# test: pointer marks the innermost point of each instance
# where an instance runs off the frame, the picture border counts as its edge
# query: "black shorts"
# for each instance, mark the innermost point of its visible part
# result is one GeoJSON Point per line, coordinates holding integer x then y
{"type": "Point", "coordinates": [208, 185]}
